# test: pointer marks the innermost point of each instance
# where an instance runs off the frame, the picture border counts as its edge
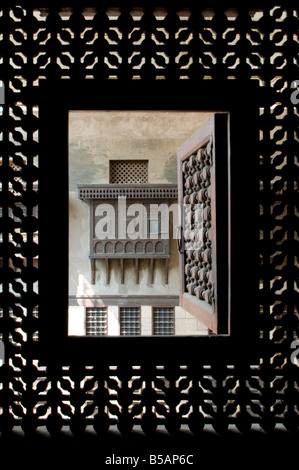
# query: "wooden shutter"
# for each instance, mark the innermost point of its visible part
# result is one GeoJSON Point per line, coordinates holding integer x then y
{"type": "Point", "coordinates": [203, 184]}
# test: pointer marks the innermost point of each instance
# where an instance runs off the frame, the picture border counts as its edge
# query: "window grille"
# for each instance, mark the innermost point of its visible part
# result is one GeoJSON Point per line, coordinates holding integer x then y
{"type": "Point", "coordinates": [130, 321]}
{"type": "Point", "coordinates": [128, 171]}
{"type": "Point", "coordinates": [163, 321]}
{"type": "Point", "coordinates": [96, 321]}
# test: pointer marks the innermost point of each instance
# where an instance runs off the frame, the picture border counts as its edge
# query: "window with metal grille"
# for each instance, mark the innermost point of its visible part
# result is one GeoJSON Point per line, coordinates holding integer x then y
{"type": "Point", "coordinates": [96, 321]}
{"type": "Point", "coordinates": [130, 321]}
{"type": "Point", "coordinates": [128, 171]}
{"type": "Point", "coordinates": [163, 321]}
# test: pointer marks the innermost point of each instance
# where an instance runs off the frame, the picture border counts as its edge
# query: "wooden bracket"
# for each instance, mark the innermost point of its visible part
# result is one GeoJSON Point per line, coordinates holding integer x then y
{"type": "Point", "coordinates": [166, 269]}
{"type": "Point", "coordinates": [107, 271]}
{"type": "Point", "coordinates": [122, 277]}
{"type": "Point", "coordinates": [137, 271]}
{"type": "Point", "coordinates": [93, 270]}
{"type": "Point", "coordinates": [151, 272]}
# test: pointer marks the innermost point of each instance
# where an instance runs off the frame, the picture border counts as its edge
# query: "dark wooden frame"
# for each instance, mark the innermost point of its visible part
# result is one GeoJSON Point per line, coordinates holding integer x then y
{"type": "Point", "coordinates": [181, 95]}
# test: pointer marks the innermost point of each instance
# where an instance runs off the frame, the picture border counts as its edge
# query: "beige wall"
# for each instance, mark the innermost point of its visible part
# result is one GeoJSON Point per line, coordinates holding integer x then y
{"type": "Point", "coordinates": [99, 136]}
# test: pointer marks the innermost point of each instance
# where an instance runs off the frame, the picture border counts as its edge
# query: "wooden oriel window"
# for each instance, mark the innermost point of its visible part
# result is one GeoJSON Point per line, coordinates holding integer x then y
{"type": "Point", "coordinates": [113, 209]}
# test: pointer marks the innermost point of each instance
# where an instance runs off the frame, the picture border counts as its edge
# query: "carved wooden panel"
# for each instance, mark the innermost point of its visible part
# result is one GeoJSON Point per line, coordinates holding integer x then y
{"type": "Point", "coordinates": [128, 171]}
{"type": "Point", "coordinates": [204, 195]}
{"type": "Point", "coordinates": [130, 249]}
{"type": "Point", "coordinates": [110, 210]}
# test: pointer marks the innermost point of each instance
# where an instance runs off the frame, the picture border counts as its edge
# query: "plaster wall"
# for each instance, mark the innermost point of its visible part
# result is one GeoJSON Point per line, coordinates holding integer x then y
{"type": "Point", "coordinates": [95, 137]}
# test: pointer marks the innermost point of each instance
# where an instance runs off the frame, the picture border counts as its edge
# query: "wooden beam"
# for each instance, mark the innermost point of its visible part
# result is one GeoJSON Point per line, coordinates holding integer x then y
{"type": "Point", "coordinates": [166, 268]}
{"type": "Point", "coordinates": [137, 271]}
{"type": "Point", "coordinates": [122, 277]}
{"type": "Point", "coordinates": [124, 300]}
{"type": "Point", "coordinates": [151, 272]}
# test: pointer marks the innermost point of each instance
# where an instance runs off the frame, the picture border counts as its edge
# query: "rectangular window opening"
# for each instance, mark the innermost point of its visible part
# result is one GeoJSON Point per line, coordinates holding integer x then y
{"type": "Point", "coordinates": [96, 321]}
{"type": "Point", "coordinates": [130, 324]}
{"type": "Point", "coordinates": [163, 321]}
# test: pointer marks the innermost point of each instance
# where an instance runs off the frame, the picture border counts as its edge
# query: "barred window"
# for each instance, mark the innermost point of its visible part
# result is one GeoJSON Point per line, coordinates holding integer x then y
{"type": "Point", "coordinates": [130, 321]}
{"type": "Point", "coordinates": [128, 171]}
{"type": "Point", "coordinates": [163, 321]}
{"type": "Point", "coordinates": [96, 321]}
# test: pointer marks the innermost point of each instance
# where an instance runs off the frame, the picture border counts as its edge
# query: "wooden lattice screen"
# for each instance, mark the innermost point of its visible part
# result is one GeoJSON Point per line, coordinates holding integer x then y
{"type": "Point", "coordinates": [51, 43]}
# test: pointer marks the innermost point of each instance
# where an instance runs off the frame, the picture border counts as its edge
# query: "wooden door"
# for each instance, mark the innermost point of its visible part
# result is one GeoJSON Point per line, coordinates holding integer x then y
{"type": "Point", "coordinates": [203, 188]}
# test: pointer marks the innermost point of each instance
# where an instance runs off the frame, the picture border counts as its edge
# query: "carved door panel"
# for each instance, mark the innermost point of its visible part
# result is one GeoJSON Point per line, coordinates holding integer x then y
{"type": "Point", "coordinates": [203, 190]}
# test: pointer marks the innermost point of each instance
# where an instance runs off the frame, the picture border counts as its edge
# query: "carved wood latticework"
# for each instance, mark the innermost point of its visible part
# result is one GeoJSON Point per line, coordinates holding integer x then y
{"type": "Point", "coordinates": [203, 47]}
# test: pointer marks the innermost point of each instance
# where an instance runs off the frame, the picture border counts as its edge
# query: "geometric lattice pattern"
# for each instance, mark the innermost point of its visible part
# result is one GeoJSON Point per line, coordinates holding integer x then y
{"type": "Point", "coordinates": [148, 43]}
{"type": "Point", "coordinates": [128, 171]}
{"type": "Point", "coordinates": [163, 321]}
